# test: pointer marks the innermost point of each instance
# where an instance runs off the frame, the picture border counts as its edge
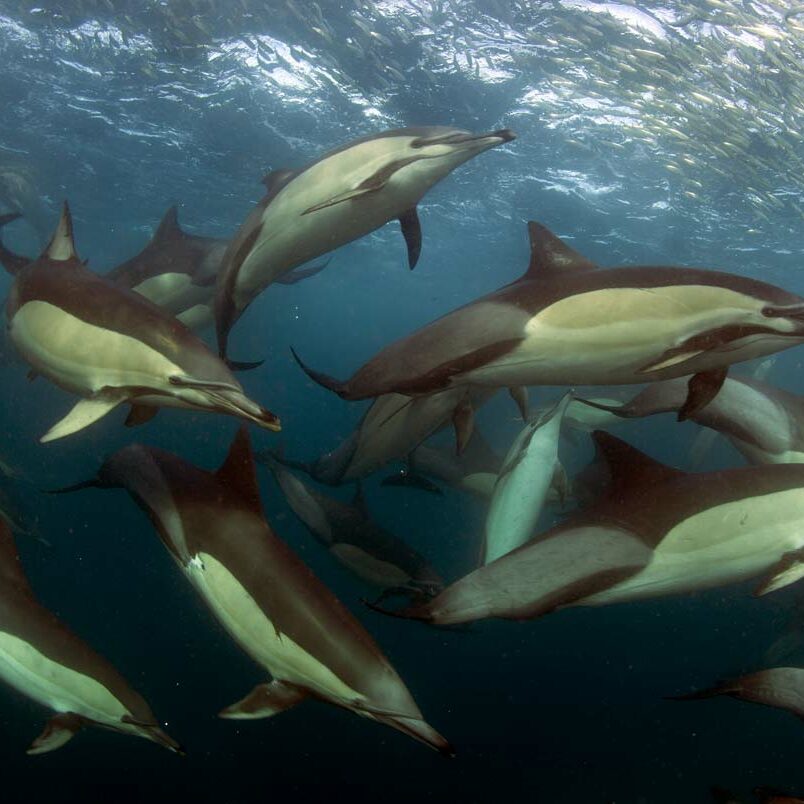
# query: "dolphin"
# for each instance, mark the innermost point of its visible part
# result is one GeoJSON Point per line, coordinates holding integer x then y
{"type": "Point", "coordinates": [781, 687]}
{"type": "Point", "coordinates": [657, 531]}
{"type": "Point", "coordinates": [111, 345]}
{"type": "Point", "coordinates": [522, 486]}
{"type": "Point", "coordinates": [391, 429]}
{"type": "Point", "coordinates": [351, 536]}
{"type": "Point", "coordinates": [345, 194]}
{"type": "Point", "coordinates": [769, 795]}
{"type": "Point", "coordinates": [264, 596]}
{"type": "Point", "coordinates": [567, 322]}
{"type": "Point", "coordinates": [763, 422]}
{"type": "Point", "coordinates": [176, 270]}
{"type": "Point", "coordinates": [18, 194]}
{"type": "Point", "coordinates": [41, 658]}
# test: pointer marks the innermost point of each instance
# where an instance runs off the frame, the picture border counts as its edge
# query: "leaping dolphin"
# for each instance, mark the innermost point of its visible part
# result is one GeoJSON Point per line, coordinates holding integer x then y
{"type": "Point", "coordinates": [41, 658]}
{"type": "Point", "coordinates": [657, 531]}
{"type": "Point", "coordinates": [111, 345]}
{"type": "Point", "coordinates": [568, 322]}
{"type": "Point", "coordinates": [263, 595]}
{"type": "Point", "coordinates": [343, 195]}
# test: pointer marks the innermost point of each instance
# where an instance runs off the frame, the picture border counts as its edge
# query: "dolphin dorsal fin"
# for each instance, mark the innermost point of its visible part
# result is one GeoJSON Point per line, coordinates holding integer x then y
{"type": "Point", "coordinates": [238, 472]}
{"type": "Point", "coordinates": [275, 180]}
{"type": "Point", "coordinates": [169, 225]}
{"type": "Point", "coordinates": [10, 567]}
{"type": "Point", "coordinates": [629, 468]}
{"type": "Point", "coordinates": [61, 247]}
{"type": "Point", "coordinates": [550, 255]}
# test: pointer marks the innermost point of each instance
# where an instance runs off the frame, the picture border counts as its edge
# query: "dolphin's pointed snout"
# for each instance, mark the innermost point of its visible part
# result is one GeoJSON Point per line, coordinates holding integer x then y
{"type": "Point", "coordinates": [505, 134]}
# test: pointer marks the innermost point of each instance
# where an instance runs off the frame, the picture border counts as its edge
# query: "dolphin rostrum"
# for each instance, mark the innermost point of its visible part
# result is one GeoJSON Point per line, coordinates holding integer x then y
{"type": "Point", "coordinates": [568, 322]}
{"type": "Point", "coordinates": [41, 658]}
{"type": "Point", "coordinates": [351, 536]}
{"type": "Point", "coordinates": [343, 195]}
{"type": "Point", "coordinates": [657, 531]}
{"type": "Point", "coordinates": [111, 345]}
{"type": "Point", "coordinates": [264, 596]}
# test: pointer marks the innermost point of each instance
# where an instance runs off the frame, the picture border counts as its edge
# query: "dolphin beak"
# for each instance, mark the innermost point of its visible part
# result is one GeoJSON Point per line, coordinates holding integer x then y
{"type": "Point", "coordinates": [794, 311]}
{"type": "Point", "coordinates": [490, 139]}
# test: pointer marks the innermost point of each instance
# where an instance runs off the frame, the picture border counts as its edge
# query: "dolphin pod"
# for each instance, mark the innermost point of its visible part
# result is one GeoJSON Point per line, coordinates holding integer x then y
{"type": "Point", "coordinates": [175, 270]}
{"type": "Point", "coordinates": [657, 531]}
{"type": "Point", "coordinates": [270, 603]}
{"type": "Point", "coordinates": [345, 194]}
{"type": "Point", "coordinates": [43, 659]}
{"type": "Point", "coordinates": [566, 322]}
{"type": "Point", "coordinates": [351, 536]}
{"type": "Point", "coordinates": [110, 346]}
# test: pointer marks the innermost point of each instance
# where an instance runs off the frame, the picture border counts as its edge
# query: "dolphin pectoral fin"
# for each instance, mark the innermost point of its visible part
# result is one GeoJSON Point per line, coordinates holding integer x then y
{"type": "Point", "coordinates": [265, 700]}
{"type": "Point", "coordinates": [789, 570]}
{"type": "Point", "coordinates": [669, 359]}
{"type": "Point", "coordinates": [86, 412]}
{"type": "Point", "coordinates": [300, 274]}
{"type": "Point", "coordinates": [519, 393]}
{"type": "Point", "coordinates": [58, 731]}
{"type": "Point", "coordinates": [412, 232]}
{"type": "Point", "coordinates": [140, 414]}
{"type": "Point", "coordinates": [463, 419]}
{"type": "Point", "coordinates": [702, 389]}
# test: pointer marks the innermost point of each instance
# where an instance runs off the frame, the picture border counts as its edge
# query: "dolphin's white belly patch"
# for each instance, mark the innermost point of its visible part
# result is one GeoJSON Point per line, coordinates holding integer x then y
{"type": "Point", "coordinates": [54, 685]}
{"type": "Point", "coordinates": [726, 544]}
{"type": "Point", "coordinates": [82, 357]}
{"type": "Point", "coordinates": [239, 613]}
{"type": "Point", "coordinates": [610, 335]}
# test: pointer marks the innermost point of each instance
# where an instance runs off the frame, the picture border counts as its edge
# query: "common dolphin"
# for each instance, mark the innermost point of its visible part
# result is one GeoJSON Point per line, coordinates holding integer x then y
{"type": "Point", "coordinates": [522, 486]}
{"type": "Point", "coordinates": [780, 687]}
{"type": "Point", "coordinates": [353, 538]}
{"type": "Point", "coordinates": [41, 658]}
{"type": "Point", "coordinates": [263, 595]}
{"type": "Point", "coordinates": [345, 194]}
{"type": "Point", "coordinates": [567, 322]}
{"type": "Point", "coordinates": [111, 345]}
{"type": "Point", "coordinates": [175, 270]}
{"type": "Point", "coordinates": [763, 422]}
{"type": "Point", "coordinates": [392, 427]}
{"type": "Point", "coordinates": [657, 531]}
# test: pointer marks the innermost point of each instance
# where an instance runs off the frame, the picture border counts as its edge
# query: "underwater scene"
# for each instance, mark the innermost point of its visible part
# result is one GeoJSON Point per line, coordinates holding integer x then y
{"type": "Point", "coordinates": [402, 401]}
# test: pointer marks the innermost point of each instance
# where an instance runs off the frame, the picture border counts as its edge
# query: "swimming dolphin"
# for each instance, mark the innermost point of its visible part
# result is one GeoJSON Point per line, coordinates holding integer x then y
{"type": "Point", "coordinates": [567, 322]}
{"type": "Point", "coordinates": [522, 486]}
{"type": "Point", "coordinates": [110, 345]}
{"type": "Point", "coordinates": [763, 422]}
{"type": "Point", "coordinates": [176, 270]}
{"type": "Point", "coordinates": [41, 658]}
{"type": "Point", "coordinates": [343, 195]}
{"type": "Point", "coordinates": [657, 531]}
{"type": "Point", "coordinates": [781, 687]}
{"type": "Point", "coordinates": [352, 537]}
{"type": "Point", "coordinates": [389, 431]}
{"type": "Point", "coordinates": [263, 595]}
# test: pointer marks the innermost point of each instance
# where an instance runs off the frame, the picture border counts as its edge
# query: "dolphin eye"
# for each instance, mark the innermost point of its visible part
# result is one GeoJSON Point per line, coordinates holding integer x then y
{"type": "Point", "coordinates": [769, 312]}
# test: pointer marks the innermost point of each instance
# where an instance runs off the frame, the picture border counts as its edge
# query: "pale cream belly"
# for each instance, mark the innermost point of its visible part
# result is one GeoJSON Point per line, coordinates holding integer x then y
{"type": "Point", "coordinates": [54, 685]}
{"type": "Point", "coordinates": [256, 634]}
{"type": "Point", "coordinates": [84, 358]}
{"type": "Point", "coordinates": [727, 544]}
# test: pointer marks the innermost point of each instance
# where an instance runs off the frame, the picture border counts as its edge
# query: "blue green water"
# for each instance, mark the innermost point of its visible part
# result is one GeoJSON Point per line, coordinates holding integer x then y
{"type": "Point", "coordinates": [647, 133]}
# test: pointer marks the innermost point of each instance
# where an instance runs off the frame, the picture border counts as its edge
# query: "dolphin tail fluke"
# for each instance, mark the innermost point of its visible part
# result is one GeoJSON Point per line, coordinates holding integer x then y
{"type": "Point", "coordinates": [318, 377]}
{"type": "Point", "coordinates": [419, 730]}
{"type": "Point", "coordinates": [265, 700]}
{"type": "Point", "coordinates": [58, 731]}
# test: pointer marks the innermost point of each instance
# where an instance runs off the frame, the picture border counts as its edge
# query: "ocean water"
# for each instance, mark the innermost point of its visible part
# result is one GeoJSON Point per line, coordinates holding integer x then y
{"type": "Point", "coordinates": [647, 133]}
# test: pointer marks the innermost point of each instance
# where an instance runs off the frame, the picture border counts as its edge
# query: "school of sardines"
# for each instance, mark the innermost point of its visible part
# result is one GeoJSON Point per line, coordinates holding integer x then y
{"type": "Point", "coordinates": [129, 338]}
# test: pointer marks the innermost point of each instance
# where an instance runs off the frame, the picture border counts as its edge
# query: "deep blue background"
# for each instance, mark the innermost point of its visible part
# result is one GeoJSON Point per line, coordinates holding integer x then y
{"type": "Point", "coordinates": [125, 108]}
